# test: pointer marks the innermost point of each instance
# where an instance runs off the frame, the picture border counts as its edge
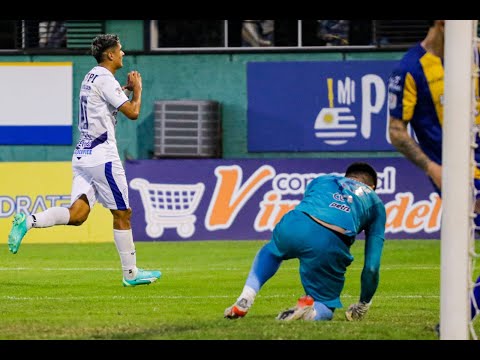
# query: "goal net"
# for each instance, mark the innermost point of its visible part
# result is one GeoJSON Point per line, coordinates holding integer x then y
{"type": "Point", "coordinates": [460, 132]}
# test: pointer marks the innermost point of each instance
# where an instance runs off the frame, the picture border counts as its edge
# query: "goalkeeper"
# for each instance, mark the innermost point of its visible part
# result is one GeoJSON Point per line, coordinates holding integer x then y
{"type": "Point", "coordinates": [319, 232]}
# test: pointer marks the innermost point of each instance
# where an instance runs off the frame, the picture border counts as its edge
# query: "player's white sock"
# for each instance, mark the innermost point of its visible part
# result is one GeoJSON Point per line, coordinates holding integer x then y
{"type": "Point", "coordinates": [126, 250]}
{"type": "Point", "coordinates": [249, 294]}
{"type": "Point", "coordinates": [50, 217]}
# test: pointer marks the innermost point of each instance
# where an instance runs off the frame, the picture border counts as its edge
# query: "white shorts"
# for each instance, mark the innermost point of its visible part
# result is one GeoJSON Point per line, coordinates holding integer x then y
{"type": "Point", "coordinates": [105, 183]}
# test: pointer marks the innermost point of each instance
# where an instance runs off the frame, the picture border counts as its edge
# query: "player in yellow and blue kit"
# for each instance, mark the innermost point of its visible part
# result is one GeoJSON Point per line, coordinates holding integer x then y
{"type": "Point", "coordinates": [415, 92]}
{"type": "Point", "coordinates": [319, 232]}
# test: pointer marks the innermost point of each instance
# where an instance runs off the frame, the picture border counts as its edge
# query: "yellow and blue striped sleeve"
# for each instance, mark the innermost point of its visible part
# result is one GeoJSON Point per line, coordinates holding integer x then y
{"type": "Point", "coordinates": [402, 95]}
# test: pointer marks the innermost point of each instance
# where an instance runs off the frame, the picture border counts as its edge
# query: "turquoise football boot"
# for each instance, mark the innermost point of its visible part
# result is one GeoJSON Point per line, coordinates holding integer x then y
{"type": "Point", "coordinates": [19, 229]}
{"type": "Point", "coordinates": [144, 277]}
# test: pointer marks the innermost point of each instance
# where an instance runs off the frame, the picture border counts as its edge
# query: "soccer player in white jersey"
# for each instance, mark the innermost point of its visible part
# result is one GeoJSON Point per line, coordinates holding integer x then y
{"type": "Point", "coordinates": [98, 174]}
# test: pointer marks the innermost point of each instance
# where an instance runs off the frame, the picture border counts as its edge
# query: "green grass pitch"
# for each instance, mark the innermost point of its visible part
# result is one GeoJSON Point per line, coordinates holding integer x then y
{"type": "Point", "coordinates": [65, 291]}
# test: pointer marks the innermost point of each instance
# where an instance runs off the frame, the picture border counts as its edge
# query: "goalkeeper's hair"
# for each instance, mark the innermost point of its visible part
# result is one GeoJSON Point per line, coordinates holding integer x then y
{"type": "Point", "coordinates": [101, 43]}
{"type": "Point", "coordinates": [364, 171]}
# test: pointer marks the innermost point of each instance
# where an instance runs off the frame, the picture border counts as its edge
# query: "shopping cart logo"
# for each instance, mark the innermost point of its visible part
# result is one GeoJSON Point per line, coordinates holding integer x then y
{"type": "Point", "coordinates": [169, 206]}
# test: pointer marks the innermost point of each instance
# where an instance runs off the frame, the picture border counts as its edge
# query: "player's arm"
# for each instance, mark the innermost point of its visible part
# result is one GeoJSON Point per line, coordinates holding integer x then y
{"type": "Point", "coordinates": [405, 144]}
{"type": "Point", "coordinates": [131, 108]}
{"type": "Point", "coordinates": [374, 239]}
{"type": "Point", "coordinates": [402, 97]}
{"type": "Point", "coordinates": [371, 268]}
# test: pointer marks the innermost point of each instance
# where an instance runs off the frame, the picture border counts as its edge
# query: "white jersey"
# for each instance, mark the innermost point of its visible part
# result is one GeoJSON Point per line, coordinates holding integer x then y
{"type": "Point", "coordinates": [100, 97]}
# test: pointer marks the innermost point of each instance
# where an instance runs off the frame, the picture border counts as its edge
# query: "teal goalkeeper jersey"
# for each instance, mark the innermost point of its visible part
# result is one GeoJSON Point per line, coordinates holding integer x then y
{"type": "Point", "coordinates": [347, 203]}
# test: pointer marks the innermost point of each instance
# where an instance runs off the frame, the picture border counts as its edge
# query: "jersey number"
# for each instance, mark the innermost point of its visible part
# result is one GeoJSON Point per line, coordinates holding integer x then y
{"type": "Point", "coordinates": [83, 119]}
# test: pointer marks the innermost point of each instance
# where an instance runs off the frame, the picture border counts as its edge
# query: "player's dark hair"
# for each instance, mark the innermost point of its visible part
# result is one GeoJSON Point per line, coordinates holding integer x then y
{"type": "Point", "coordinates": [102, 43]}
{"type": "Point", "coordinates": [431, 23]}
{"type": "Point", "coordinates": [364, 171]}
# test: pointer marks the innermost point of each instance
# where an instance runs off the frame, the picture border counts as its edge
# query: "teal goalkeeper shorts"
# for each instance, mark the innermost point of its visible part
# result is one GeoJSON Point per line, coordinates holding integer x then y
{"type": "Point", "coordinates": [324, 255]}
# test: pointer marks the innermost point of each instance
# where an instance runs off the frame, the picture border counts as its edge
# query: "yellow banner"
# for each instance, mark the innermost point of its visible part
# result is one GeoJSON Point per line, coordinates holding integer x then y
{"type": "Point", "coordinates": [36, 186]}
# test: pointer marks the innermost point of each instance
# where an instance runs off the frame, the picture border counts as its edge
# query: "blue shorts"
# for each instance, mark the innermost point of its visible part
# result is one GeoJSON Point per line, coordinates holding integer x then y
{"type": "Point", "coordinates": [324, 255]}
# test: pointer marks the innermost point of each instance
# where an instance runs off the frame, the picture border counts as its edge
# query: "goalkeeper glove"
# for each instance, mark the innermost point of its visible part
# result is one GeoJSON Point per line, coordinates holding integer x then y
{"type": "Point", "coordinates": [357, 311]}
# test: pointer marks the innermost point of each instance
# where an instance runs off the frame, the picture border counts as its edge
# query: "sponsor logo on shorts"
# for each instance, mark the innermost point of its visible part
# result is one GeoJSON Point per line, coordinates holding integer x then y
{"type": "Point", "coordinates": [83, 152]}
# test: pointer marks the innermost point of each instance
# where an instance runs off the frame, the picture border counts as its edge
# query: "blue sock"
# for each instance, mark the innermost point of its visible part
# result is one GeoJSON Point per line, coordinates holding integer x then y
{"type": "Point", "coordinates": [476, 295]}
{"type": "Point", "coordinates": [322, 311]}
{"type": "Point", "coordinates": [264, 266]}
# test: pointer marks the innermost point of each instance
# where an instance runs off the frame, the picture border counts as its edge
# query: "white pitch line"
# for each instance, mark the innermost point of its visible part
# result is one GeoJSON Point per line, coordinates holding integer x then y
{"type": "Point", "coordinates": [58, 269]}
{"type": "Point", "coordinates": [387, 268]}
{"type": "Point", "coordinates": [188, 297]}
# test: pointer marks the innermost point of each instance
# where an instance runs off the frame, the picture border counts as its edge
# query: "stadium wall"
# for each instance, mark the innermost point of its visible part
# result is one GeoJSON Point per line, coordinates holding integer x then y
{"type": "Point", "coordinates": [221, 77]}
{"type": "Point", "coordinates": [212, 199]}
{"type": "Point", "coordinates": [35, 186]}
